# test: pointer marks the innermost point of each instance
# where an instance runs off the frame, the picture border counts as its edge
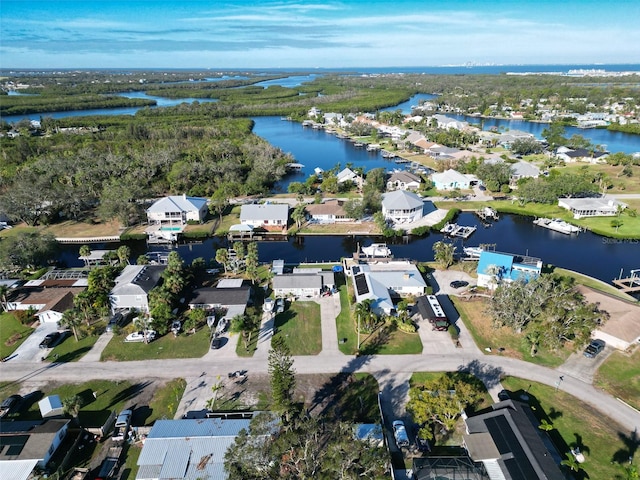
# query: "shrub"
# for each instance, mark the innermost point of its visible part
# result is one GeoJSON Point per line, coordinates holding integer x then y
{"type": "Point", "coordinates": [407, 327]}
{"type": "Point", "coordinates": [420, 231]}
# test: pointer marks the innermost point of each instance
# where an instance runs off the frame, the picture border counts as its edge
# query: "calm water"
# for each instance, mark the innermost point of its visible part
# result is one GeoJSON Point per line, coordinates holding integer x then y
{"type": "Point", "coordinates": [611, 141]}
{"type": "Point", "coordinates": [586, 253]}
{"type": "Point", "coordinates": [405, 107]}
{"type": "Point", "coordinates": [166, 102]}
{"type": "Point", "coordinates": [314, 148]}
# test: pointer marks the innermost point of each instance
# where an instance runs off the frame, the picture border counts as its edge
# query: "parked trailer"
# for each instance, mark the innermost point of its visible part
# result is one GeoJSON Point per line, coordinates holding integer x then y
{"type": "Point", "coordinates": [431, 310]}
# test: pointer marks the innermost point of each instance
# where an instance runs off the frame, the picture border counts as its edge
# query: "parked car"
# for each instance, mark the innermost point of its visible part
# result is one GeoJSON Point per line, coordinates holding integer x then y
{"type": "Point", "coordinates": [223, 323]}
{"type": "Point", "coordinates": [140, 336]}
{"type": "Point", "coordinates": [458, 284]}
{"type": "Point", "coordinates": [503, 395]}
{"type": "Point", "coordinates": [51, 340]}
{"type": "Point", "coordinates": [176, 326]}
{"type": "Point", "coordinates": [594, 348]}
{"type": "Point", "coordinates": [268, 305]}
{"type": "Point", "coordinates": [280, 305]}
{"type": "Point", "coordinates": [216, 342]}
{"type": "Point", "coordinates": [121, 430]}
{"type": "Point", "coordinates": [9, 404]}
{"type": "Point", "coordinates": [400, 434]}
{"type": "Point", "coordinates": [116, 321]}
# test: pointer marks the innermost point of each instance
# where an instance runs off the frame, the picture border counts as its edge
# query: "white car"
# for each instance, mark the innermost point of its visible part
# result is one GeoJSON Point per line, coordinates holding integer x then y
{"type": "Point", "coordinates": [140, 336]}
{"type": "Point", "coordinates": [280, 305]}
{"type": "Point", "coordinates": [269, 304]}
{"type": "Point", "coordinates": [400, 434]}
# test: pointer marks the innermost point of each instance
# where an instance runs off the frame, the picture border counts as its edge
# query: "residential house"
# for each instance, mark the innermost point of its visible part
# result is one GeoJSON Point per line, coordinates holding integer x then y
{"type": "Point", "coordinates": [331, 211]}
{"type": "Point", "coordinates": [299, 285]}
{"type": "Point", "coordinates": [348, 175]}
{"type": "Point", "coordinates": [581, 155]}
{"type": "Point", "coordinates": [50, 303]}
{"type": "Point", "coordinates": [591, 207]}
{"type": "Point", "coordinates": [270, 216]}
{"type": "Point", "coordinates": [507, 440]}
{"type": "Point", "coordinates": [132, 287]}
{"type": "Point", "coordinates": [401, 206]}
{"type": "Point", "coordinates": [448, 123]}
{"type": "Point", "coordinates": [177, 210]}
{"type": "Point", "coordinates": [27, 445]}
{"type": "Point", "coordinates": [403, 180]}
{"type": "Point", "coordinates": [451, 180]}
{"type": "Point", "coordinates": [232, 300]}
{"type": "Point", "coordinates": [524, 169]}
{"type": "Point", "coordinates": [495, 268]}
{"type": "Point", "coordinates": [506, 139]}
{"type": "Point", "coordinates": [188, 448]}
{"type": "Point", "coordinates": [381, 282]}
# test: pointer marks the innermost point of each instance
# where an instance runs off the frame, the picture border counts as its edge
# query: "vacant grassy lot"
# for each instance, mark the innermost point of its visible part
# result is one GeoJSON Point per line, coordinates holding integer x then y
{"type": "Point", "coordinates": [12, 334]}
{"type": "Point", "coordinates": [620, 376]}
{"type": "Point", "coordinates": [182, 346]}
{"type": "Point", "coordinates": [577, 424]}
{"type": "Point", "coordinates": [513, 345]}
{"type": "Point", "coordinates": [166, 400]}
{"type": "Point", "coordinates": [231, 217]}
{"type": "Point", "coordinates": [299, 325]}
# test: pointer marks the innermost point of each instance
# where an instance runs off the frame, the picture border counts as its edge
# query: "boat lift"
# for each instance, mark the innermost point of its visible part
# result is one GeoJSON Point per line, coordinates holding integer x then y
{"type": "Point", "coordinates": [630, 284]}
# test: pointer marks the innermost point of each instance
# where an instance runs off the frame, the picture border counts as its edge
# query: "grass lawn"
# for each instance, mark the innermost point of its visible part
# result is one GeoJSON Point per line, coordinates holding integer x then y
{"type": "Point", "coordinates": [355, 398]}
{"type": "Point", "coordinates": [83, 229]}
{"type": "Point", "coordinates": [620, 376]}
{"type": "Point", "coordinates": [620, 183]}
{"type": "Point", "coordinates": [231, 218]}
{"type": "Point", "coordinates": [593, 283]}
{"type": "Point", "coordinates": [369, 228]}
{"type": "Point", "coordinates": [346, 330]}
{"type": "Point", "coordinates": [95, 411]}
{"type": "Point", "coordinates": [201, 229]}
{"type": "Point", "coordinates": [576, 423]}
{"type": "Point", "coordinates": [71, 351]}
{"type": "Point", "coordinates": [484, 335]}
{"type": "Point", "coordinates": [12, 334]}
{"type": "Point", "coordinates": [300, 324]}
{"type": "Point", "coordinates": [129, 470]}
{"type": "Point", "coordinates": [166, 400]}
{"type": "Point", "coordinates": [182, 346]}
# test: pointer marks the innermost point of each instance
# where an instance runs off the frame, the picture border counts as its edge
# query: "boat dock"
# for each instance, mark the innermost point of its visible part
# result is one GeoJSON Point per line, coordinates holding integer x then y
{"type": "Point", "coordinates": [455, 230]}
{"type": "Point", "coordinates": [487, 213]}
{"type": "Point", "coordinates": [629, 284]}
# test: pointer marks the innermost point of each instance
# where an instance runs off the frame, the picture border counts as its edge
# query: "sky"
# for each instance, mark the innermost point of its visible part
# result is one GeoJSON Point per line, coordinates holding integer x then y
{"type": "Point", "coordinates": [315, 34]}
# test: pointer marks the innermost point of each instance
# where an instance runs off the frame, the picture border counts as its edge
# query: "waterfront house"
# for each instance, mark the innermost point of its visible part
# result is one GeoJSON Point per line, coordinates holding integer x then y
{"type": "Point", "coordinates": [448, 123]}
{"type": "Point", "coordinates": [331, 211]}
{"type": "Point", "coordinates": [177, 210]}
{"type": "Point", "coordinates": [451, 180]}
{"type": "Point", "coordinates": [380, 282]}
{"type": "Point", "coordinates": [29, 445]}
{"type": "Point", "coordinates": [348, 175]}
{"type": "Point", "coordinates": [299, 285]}
{"type": "Point", "coordinates": [189, 448]}
{"type": "Point", "coordinates": [495, 268]}
{"type": "Point", "coordinates": [132, 287]}
{"type": "Point", "coordinates": [401, 206]}
{"type": "Point", "coordinates": [581, 155]}
{"type": "Point", "coordinates": [591, 207]}
{"type": "Point", "coordinates": [403, 180]}
{"type": "Point", "coordinates": [523, 169]}
{"type": "Point", "coordinates": [270, 216]}
{"type": "Point", "coordinates": [507, 440]}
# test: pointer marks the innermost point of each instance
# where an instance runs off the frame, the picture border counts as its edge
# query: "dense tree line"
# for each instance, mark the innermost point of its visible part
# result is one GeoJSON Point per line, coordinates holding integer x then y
{"type": "Point", "coordinates": [548, 189]}
{"type": "Point", "coordinates": [548, 311]}
{"type": "Point", "coordinates": [111, 171]}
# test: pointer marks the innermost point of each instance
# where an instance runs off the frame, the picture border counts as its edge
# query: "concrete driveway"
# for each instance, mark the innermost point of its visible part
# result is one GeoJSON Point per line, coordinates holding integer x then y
{"type": "Point", "coordinates": [583, 368]}
{"type": "Point", "coordinates": [29, 351]}
{"type": "Point", "coordinates": [441, 280]}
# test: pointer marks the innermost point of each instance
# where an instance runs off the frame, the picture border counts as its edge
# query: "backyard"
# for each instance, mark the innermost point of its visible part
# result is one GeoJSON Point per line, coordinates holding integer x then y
{"type": "Point", "coordinates": [12, 334]}
{"type": "Point", "coordinates": [168, 346]}
{"type": "Point", "coordinates": [620, 376]}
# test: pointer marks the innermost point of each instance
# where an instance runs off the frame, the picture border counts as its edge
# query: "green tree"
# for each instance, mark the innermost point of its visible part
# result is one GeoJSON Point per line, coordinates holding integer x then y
{"type": "Point", "coordinates": [282, 376]}
{"type": "Point", "coordinates": [123, 252]}
{"type": "Point", "coordinates": [439, 402]}
{"type": "Point", "coordinates": [554, 135]}
{"type": "Point", "coordinates": [26, 250]}
{"type": "Point", "coordinates": [72, 405]}
{"type": "Point", "coordinates": [222, 257]}
{"type": "Point", "coordinates": [299, 214]}
{"type": "Point", "coordinates": [443, 253]}
{"type": "Point", "coordinates": [85, 251]}
{"type": "Point", "coordinates": [71, 319]}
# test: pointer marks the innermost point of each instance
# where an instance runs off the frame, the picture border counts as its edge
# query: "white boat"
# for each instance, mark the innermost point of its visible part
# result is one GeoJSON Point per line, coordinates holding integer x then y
{"type": "Point", "coordinates": [318, 171]}
{"type": "Point", "coordinates": [377, 250]}
{"type": "Point", "coordinates": [557, 225]}
{"type": "Point", "coordinates": [474, 252]}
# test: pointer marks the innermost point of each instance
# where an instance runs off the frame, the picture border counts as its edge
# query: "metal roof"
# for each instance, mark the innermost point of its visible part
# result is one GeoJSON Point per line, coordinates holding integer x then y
{"type": "Point", "coordinates": [401, 200]}
{"type": "Point", "coordinates": [267, 211]}
{"type": "Point", "coordinates": [177, 203]}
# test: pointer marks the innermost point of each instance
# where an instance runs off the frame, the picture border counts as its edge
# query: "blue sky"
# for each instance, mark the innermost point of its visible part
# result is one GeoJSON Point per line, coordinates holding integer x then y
{"type": "Point", "coordinates": [287, 34]}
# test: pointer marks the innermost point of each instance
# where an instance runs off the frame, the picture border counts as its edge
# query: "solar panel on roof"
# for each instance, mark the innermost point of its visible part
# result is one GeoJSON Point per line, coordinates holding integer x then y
{"type": "Point", "coordinates": [519, 466]}
{"type": "Point", "coordinates": [361, 284]}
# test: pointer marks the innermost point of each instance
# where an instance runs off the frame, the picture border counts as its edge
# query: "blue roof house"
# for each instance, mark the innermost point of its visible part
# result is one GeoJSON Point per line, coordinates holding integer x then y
{"type": "Point", "coordinates": [495, 268]}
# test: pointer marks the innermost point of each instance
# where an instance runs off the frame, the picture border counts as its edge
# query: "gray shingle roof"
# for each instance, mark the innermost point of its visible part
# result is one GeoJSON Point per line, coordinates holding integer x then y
{"type": "Point", "coordinates": [137, 279]}
{"type": "Point", "coordinates": [220, 296]}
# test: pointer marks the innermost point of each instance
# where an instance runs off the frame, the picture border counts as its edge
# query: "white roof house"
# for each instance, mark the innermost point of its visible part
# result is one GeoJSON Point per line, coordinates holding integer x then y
{"type": "Point", "coordinates": [380, 281]}
{"type": "Point", "coordinates": [524, 169]}
{"type": "Point", "coordinates": [450, 180]}
{"type": "Point", "coordinates": [133, 285]}
{"type": "Point", "coordinates": [402, 206]}
{"type": "Point", "coordinates": [448, 122]}
{"type": "Point", "coordinates": [177, 210]}
{"type": "Point", "coordinates": [188, 448]}
{"type": "Point", "coordinates": [298, 285]}
{"type": "Point", "coordinates": [267, 215]}
{"type": "Point", "coordinates": [591, 207]}
{"type": "Point", "coordinates": [347, 174]}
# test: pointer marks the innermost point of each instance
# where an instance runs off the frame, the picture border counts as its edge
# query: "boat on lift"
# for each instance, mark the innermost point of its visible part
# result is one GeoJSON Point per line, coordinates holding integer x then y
{"type": "Point", "coordinates": [377, 250]}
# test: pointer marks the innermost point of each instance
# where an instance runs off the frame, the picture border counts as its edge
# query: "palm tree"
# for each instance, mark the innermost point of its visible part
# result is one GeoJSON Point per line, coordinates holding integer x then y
{"type": "Point", "coordinates": [363, 313]}
{"type": "Point", "coordinates": [85, 251]}
{"type": "Point", "coordinates": [299, 214]}
{"type": "Point", "coordinates": [222, 257]}
{"type": "Point", "coordinates": [123, 252]}
{"type": "Point", "coordinates": [71, 319]}
{"type": "Point", "coordinates": [571, 463]}
{"type": "Point", "coordinates": [3, 297]}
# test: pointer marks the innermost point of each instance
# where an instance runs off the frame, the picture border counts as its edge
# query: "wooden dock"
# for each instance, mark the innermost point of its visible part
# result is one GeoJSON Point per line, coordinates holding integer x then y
{"type": "Point", "coordinates": [629, 284]}
{"type": "Point", "coordinates": [455, 230]}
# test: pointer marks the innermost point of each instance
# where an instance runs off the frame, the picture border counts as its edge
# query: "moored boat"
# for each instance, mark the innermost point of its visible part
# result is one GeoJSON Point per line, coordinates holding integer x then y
{"type": "Point", "coordinates": [377, 250]}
